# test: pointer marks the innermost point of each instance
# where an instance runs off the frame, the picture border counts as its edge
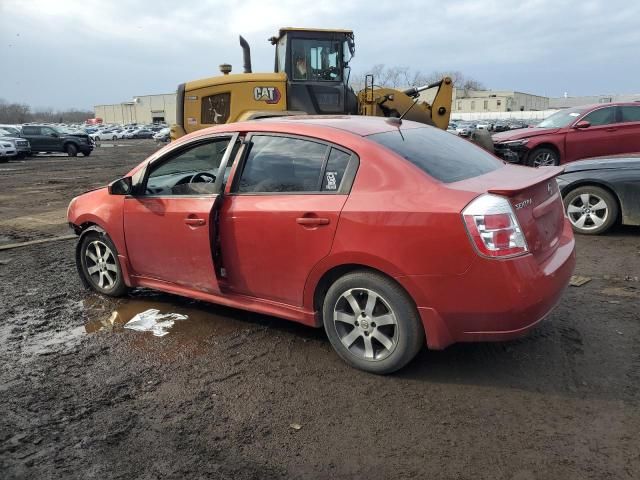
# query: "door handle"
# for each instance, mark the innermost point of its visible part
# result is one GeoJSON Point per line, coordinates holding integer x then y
{"type": "Point", "coordinates": [195, 222]}
{"type": "Point", "coordinates": [312, 221]}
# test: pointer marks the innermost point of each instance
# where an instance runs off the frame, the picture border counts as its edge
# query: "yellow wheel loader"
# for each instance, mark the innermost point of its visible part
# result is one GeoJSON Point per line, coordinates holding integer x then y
{"type": "Point", "coordinates": [311, 76]}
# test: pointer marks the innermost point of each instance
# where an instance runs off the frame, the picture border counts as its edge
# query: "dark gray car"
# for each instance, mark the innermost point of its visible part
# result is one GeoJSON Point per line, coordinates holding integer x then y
{"type": "Point", "coordinates": [600, 192]}
{"type": "Point", "coordinates": [45, 138]}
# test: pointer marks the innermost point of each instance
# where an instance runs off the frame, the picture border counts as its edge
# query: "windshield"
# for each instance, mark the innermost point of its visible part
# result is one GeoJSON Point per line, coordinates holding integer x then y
{"type": "Point", "coordinates": [316, 60]}
{"type": "Point", "coordinates": [561, 118]}
{"type": "Point", "coordinates": [443, 156]}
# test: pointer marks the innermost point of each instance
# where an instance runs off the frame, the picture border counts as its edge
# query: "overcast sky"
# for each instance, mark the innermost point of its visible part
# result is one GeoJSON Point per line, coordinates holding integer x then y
{"type": "Point", "coordinates": [80, 53]}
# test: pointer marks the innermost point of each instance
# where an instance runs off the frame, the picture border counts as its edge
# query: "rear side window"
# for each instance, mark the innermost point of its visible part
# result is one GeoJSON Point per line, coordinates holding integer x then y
{"type": "Point", "coordinates": [282, 164]}
{"type": "Point", "coordinates": [442, 155]}
{"type": "Point", "coordinates": [630, 114]}
{"type": "Point", "coordinates": [334, 173]}
{"type": "Point", "coordinates": [30, 130]}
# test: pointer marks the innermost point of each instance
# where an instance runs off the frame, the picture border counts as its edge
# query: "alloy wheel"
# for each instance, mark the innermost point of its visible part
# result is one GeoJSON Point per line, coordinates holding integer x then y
{"type": "Point", "coordinates": [544, 159]}
{"type": "Point", "coordinates": [587, 211]}
{"type": "Point", "coordinates": [366, 324]}
{"type": "Point", "coordinates": [101, 264]}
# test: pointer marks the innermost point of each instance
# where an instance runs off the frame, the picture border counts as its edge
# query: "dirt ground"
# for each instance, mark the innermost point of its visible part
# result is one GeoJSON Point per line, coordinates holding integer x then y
{"type": "Point", "coordinates": [227, 394]}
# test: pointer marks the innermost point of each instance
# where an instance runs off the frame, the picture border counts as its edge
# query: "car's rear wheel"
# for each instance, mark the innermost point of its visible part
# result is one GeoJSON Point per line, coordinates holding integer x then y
{"type": "Point", "coordinates": [543, 157]}
{"type": "Point", "coordinates": [591, 210]}
{"type": "Point", "coordinates": [99, 265]}
{"type": "Point", "coordinates": [71, 150]}
{"type": "Point", "coordinates": [371, 322]}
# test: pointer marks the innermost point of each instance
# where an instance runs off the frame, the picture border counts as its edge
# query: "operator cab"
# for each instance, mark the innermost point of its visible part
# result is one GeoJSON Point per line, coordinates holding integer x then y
{"type": "Point", "coordinates": [317, 66]}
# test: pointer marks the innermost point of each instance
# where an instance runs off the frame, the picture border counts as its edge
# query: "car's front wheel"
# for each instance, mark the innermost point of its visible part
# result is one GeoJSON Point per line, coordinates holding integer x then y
{"type": "Point", "coordinates": [543, 157]}
{"type": "Point", "coordinates": [71, 150]}
{"type": "Point", "coordinates": [591, 210]}
{"type": "Point", "coordinates": [371, 322]}
{"type": "Point", "coordinates": [98, 264]}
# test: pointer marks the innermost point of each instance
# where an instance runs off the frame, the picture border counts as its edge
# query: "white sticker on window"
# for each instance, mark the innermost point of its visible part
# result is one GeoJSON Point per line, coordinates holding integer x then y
{"type": "Point", "coordinates": [331, 181]}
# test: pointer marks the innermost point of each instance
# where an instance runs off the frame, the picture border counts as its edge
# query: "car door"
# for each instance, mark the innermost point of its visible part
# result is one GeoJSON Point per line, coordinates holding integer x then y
{"type": "Point", "coordinates": [280, 215]}
{"type": "Point", "coordinates": [50, 139]}
{"type": "Point", "coordinates": [600, 138]}
{"type": "Point", "coordinates": [168, 223]}
{"type": "Point", "coordinates": [32, 134]}
{"type": "Point", "coordinates": [629, 128]}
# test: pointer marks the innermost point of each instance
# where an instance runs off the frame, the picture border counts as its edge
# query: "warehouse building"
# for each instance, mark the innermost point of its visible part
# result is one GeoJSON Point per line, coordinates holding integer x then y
{"type": "Point", "coordinates": [476, 101]}
{"type": "Point", "coordinates": [142, 109]}
{"type": "Point", "coordinates": [567, 102]}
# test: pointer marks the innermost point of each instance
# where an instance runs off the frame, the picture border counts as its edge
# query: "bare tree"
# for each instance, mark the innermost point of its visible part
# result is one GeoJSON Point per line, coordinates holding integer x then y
{"type": "Point", "coordinates": [21, 113]}
{"type": "Point", "coordinates": [404, 77]}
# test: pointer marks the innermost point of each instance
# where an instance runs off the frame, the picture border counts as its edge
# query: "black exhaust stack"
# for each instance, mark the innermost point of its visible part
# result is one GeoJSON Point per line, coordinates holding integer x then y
{"type": "Point", "coordinates": [246, 54]}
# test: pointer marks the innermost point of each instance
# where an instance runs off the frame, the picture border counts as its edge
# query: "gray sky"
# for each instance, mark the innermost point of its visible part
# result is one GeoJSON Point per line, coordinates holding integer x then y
{"type": "Point", "coordinates": [79, 53]}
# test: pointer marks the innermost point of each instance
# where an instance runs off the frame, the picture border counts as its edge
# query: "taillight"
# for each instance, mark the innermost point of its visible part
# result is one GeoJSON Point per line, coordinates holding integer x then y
{"type": "Point", "coordinates": [494, 228]}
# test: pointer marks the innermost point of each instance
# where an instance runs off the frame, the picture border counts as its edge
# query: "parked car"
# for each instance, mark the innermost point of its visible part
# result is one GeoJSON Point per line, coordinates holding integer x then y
{"type": "Point", "coordinates": [44, 138]}
{"type": "Point", "coordinates": [162, 135]}
{"type": "Point", "coordinates": [600, 192]}
{"type": "Point", "coordinates": [465, 129]}
{"type": "Point", "coordinates": [500, 126]}
{"type": "Point", "coordinates": [20, 145]}
{"type": "Point", "coordinates": [105, 135]}
{"type": "Point", "coordinates": [573, 134]}
{"type": "Point", "coordinates": [388, 235]}
{"type": "Point", "coordinates": [484, 125]}
{"type": "Point", "coordinates": [7, 151]}
{"type": "Point", "coordinates": [142, 133]}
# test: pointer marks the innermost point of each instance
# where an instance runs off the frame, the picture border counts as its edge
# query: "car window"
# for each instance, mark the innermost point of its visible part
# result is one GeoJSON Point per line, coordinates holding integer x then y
{"type": "Point", "coordinates": [282, 164]}
{"type": "Point", "coordinates": [443, 156]}
{"type": "Point", "coordinates": [190, 172]}
{"type": "Point", "coordinates": [47, 131]}
{"type": "Point", "coordinates": [334, 173]}
{"type": "Point", "coordinates": [603, 116]}
{"type": "Point", "coordinates": [31, 130]}
{"type": "Point", "coordinates": [629, 114]}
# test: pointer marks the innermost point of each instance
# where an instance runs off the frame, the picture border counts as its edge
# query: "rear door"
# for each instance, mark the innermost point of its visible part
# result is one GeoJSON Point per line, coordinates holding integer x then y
{"type": "Point", "coordinates": [280, 215]}
{"type": "Point", "coordinates": [601, 138]}
{"type": "Point", "coordinates": [32, 134]}
{"type": "Point", "coordinates": [170, 223]}
{"type": "Point", "coordinates": [629, 128]}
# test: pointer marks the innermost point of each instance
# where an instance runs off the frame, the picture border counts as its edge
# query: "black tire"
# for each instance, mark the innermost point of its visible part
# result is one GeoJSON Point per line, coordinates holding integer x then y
{"type": "Point", "coordinates": [406, 333]}
{"type": "Point", "coordinates": [86, 154]}
{"type": "Point", "coordinates": [4, 159]}
{"type": "Point", "coordinates": [586, 219]}
{"type": "Point", "coordinates": [112, 286]}
{"type": "Point", "coordinates": [114, 138]}
{"type": "Point", "coordinates": [543, 156]}
{"type": "Point", "coordinates": [71, 150]}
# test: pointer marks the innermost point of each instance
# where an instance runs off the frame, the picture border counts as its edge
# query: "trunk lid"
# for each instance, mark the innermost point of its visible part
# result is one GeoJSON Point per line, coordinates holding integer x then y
{"type": "Point", "coordinates": [535, 199]}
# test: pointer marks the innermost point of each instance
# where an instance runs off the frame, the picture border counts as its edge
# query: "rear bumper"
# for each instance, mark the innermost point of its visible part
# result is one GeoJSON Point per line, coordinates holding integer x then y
{"type": "Point", "coordinates": [494, 299]}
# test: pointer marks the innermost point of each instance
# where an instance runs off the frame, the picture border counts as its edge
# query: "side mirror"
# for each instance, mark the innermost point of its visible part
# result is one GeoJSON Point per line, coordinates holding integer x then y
{"type": "Point", "coordinates": [122, 186]}
{"type": "Point", "coordinates": [582, 124]}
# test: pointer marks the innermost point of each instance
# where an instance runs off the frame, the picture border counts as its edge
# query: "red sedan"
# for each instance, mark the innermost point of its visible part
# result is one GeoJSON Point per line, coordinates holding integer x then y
{"type": "Point", "coordinates": [573, 134]}
{"type": "Point", "coordinates": [388, 235]}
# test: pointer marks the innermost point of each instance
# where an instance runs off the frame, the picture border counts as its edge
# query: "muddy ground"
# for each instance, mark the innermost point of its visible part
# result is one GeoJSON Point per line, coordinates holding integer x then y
{"type": "Point", "coordinates": [227, 394]}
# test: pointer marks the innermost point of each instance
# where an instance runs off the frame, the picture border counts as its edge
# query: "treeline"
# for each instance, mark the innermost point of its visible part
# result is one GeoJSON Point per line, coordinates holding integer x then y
{"type": "Point", "coordinates": [404, 77]}
{"type": "Point", "coordinates": [22, 113]}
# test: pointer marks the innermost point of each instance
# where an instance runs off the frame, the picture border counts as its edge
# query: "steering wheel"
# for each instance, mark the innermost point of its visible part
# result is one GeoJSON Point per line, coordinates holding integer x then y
{"type": "Point", "coordinates": [203, 177]}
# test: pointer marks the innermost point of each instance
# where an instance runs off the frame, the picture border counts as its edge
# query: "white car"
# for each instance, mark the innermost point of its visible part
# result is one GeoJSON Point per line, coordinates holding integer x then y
{"type": "Point", "coordinates": [108, 135]}
{"type": "Point", "coordinates": [162, 135]}
{"type": "Point", "coordinates": [7, 151]}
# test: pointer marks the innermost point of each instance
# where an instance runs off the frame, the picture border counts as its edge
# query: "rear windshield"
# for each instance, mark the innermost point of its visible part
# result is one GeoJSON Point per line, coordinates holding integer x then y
{"type": "Point", "coordinates": [442, 155]}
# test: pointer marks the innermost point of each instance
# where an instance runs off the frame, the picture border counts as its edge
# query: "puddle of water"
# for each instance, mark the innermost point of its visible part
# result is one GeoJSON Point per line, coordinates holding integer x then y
{"type": "Point", "coordinates": [199, 319]}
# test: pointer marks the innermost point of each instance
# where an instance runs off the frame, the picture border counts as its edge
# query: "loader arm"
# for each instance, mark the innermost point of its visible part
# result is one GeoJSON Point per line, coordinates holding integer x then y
{"type": "Point", "coordinates": [388, 102]}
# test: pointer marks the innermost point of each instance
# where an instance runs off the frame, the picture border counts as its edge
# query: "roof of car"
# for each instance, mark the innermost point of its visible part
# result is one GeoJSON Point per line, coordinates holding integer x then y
{"type": "Point", "coordinates": [356, 124]}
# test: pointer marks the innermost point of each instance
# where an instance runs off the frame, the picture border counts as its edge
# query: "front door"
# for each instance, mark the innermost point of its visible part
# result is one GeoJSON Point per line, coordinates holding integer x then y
{"type": "Point", "coordinates": [280, 216]}
{"type": "Point", "coordinates": [169, 223]}
{"type": "Point", "coordinates": [50, 140]}
{"type": "Point", "coordinates": [601, 138]}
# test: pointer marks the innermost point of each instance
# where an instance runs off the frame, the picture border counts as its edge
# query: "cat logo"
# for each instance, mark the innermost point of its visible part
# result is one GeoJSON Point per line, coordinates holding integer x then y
{"type": "Point", "coordinates": [266, 94]}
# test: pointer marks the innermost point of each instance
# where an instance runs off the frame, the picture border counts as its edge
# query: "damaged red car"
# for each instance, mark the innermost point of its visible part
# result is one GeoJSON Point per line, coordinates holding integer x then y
{"type": "Point", "coordinates": [388, 234]}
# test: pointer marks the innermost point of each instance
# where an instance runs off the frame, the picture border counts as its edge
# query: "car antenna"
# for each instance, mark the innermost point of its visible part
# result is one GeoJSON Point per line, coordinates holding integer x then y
{"type": "Point", "coordinates": [398, 120]}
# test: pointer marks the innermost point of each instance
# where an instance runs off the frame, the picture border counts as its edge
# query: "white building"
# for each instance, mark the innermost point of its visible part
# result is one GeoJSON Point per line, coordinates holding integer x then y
{"type": "Point", "coordinates": [478, 101]}
{"type": "Point", "coordinates": [142, 109]}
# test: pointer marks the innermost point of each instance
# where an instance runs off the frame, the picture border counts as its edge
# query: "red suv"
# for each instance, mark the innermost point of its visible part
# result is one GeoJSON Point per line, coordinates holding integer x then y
{"type": "Point", "coordinates": [573, 134]}
{"type": "Point", "coordinates": [385, 234]}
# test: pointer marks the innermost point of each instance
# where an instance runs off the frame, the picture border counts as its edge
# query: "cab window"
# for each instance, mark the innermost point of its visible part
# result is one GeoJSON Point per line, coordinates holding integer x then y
{"type": "Point", "coordinates": [316, 60]}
